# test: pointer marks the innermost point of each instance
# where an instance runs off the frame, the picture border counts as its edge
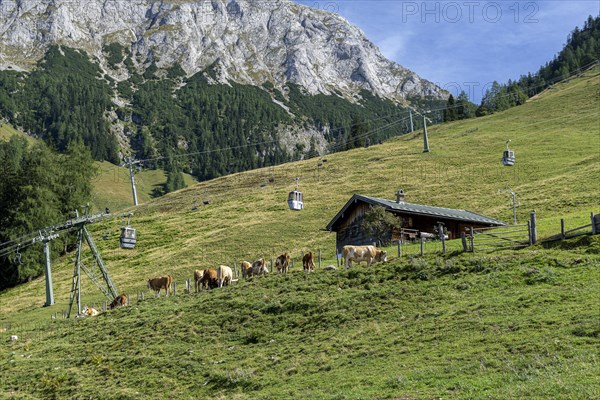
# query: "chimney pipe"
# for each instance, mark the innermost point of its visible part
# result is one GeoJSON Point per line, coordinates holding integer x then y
{"type": "Point", "coordinates": [400, 196]}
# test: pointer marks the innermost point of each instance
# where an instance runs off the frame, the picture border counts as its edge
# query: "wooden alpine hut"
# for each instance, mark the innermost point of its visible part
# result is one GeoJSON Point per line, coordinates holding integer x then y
{"type": "Point", "coordinates": [416, 220]}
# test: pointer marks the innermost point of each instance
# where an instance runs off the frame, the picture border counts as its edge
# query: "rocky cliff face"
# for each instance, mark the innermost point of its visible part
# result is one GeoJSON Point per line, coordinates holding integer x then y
{"type": "Point", "coordinates": [245, 41]}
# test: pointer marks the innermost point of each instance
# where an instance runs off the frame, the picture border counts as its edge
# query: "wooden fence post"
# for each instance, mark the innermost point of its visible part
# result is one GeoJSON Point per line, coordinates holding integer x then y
{"type": "Point", "coordinates": [337, 257]}
{"type": "Point", "coordinates": [443, 237]}
{"type": "Point", "coordinates": [463, 237]}
{"type": "Point", "coordinates": [562, 228]}
{"type": "Point", "coordinates": [529, 231]}
{"type": "Point", "coordinates": [533, 230]}
{"type": "Point", "coordinates": [422, 246]}
{"type": "Point", "coordinates": [400, 248]}
{"type": "Point", "coordinates": [472, 240]}
{"type": "Point", "coordinates": [187, 285]}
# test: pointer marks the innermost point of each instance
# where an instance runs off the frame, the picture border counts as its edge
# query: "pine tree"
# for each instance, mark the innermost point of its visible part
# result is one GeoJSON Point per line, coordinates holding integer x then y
{"type": "Point", "coordinates": [450, 112]}
{"type": "Point", "coordinates": [464, 108]}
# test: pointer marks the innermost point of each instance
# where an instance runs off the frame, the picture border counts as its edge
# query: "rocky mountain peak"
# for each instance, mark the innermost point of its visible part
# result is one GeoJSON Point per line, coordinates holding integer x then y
{"type": "Point", "coordinates": [245, 41]}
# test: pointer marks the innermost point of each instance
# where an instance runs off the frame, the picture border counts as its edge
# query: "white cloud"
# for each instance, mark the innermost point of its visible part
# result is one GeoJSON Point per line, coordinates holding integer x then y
{"type": "Point", "coordinates": [395, 46]}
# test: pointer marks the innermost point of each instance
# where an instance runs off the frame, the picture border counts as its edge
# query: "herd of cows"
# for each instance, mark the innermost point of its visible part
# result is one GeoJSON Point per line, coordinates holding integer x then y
{"type": "Point", "coordinates": [210, 278]}
{"type": "Point", "coordinates": [223, 275]}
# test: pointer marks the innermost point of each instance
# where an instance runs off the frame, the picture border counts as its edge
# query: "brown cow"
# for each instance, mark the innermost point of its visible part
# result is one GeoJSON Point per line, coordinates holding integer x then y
{"type": "Point", "coordinates": [282, 263]}
{"type": "Point", "coordinates": [362, 253]}
{"type": "Point", "coordinates": [209, 279]}
{"type": "Point", "coordinates": [163, 282]}
{"type": "Point", "coordinates": [259, 267]}
{"type": "Point", "coordinates": [198, 274]}
{"type": "Point", "coordinates": [120, 300]}
{"type": "Point", "coordinates": [308, 262]}
{"type": "Point", "coordinates": [246, 270]}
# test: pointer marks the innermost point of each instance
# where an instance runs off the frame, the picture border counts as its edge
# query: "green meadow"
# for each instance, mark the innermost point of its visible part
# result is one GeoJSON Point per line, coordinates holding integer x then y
{"type": "Point", "coordinates": [504, 325]}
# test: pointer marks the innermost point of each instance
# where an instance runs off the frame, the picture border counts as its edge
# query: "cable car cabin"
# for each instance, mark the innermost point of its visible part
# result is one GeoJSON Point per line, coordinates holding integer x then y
{"type": "Point", "coordinates": [128, 237]}
{"type": "Point", "coordinates": [508, 158]}
{"type": "Point", "coordinates": [295, 201]}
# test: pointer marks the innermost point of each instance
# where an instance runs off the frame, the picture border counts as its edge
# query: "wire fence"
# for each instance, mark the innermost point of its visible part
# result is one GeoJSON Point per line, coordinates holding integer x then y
{"type": "Point", "coordinates": [506, 237]}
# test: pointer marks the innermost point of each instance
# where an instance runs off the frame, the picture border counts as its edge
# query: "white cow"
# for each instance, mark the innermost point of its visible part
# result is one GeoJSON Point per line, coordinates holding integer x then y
{"type": "Point", "coordinates": [362, 253]}
{"type": "Point", "coordinates": [224, 275]}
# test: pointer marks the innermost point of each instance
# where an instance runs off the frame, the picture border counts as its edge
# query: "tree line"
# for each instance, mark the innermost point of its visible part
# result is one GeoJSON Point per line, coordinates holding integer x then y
{"type": "Point", "coordinates": [581, 49]}
{"type": "Point", "coordinates": [39, 187]}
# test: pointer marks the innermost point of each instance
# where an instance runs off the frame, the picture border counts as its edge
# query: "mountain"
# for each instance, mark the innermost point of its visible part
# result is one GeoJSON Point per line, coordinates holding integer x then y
{"type": "Point", "coordinates": [208, 88]}
{"type": "Point", "coordinates": [246, 42]}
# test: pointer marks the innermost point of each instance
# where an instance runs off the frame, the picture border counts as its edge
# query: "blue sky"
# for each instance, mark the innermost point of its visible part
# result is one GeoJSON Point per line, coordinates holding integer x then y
{"type": "Point", "coordinates": [466, 45]}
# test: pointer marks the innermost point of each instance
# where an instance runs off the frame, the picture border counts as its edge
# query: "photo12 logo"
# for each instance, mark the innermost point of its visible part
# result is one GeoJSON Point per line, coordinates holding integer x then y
{"type": "Point", "coordinates": [469, 11]}
{"type": "Point", "coordinates": [474, 90]}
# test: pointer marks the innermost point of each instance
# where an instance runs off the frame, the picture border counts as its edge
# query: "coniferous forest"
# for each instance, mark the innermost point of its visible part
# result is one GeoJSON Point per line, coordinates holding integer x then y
{"type": "Point", "coordinates": [39, 187]}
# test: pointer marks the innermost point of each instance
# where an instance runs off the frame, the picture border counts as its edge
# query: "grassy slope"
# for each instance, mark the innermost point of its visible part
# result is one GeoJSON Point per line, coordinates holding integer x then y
{"type": "Point", "coordinates": [508, 325]}
{"type": "Point", "coordinates": [112, 187]}
{"type": "Point", "coordinates": [7, 130]}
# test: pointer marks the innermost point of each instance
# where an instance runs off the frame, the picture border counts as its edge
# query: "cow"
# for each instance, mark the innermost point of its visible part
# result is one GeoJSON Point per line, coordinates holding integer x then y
{"type": "Point", "coordinates": [120, 300]}
{"type": "Point", "coordinates": [246, 270]}
{"type": "Point", "coordinates": [198, 274]}
{"type": "Point", "coordinates": [224, 275]}
{"type": "Point", "coordinates": [163, 282]}
{"type": "Point", "coordinates": [89, 312]}
{"type": "Point", "coordinates": [259, 267]}
{"type": "Point", "coordinates": [362, 253]}
{"type": "Point", "coordinates": [209, 279]}
{"type": "Point", "coordinates": [308, 262]}
{"type": "Point", "coordinates": [282, 263]}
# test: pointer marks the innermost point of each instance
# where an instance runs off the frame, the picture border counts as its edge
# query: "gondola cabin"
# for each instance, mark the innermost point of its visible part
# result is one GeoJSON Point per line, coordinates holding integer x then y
{"type": "Point", "coordinates": [508, 157]}
{"type": "Point", "coordinates": [128, 237]}
{"type": "Point", "coordinates": [295, 201]}
{"type": "Point", "coordinates": [295, 198]}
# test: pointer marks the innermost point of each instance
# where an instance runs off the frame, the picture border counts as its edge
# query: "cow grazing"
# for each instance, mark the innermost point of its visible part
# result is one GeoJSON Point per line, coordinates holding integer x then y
{"type": "Point", "coordinates": [198, 274]}
{"type": "Point", "coordinates": [259, 267]}
{"type": "Point", "coordinates": [163, 282]}
{"type": "Point", "coordinates": [362, 253]}
{"type": "Point", "coordinates": [120, 300]}
{"type": "Point", "coordinates": [224, 275]}
{"type": "Point", "coordinates": [308, 262]}
{"type": "Point", "coordinates": [209, 279]}
{"type": "Point", "coordinates": [246, 270]}
{"type": "Point", "coordinates": [282, 263]}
